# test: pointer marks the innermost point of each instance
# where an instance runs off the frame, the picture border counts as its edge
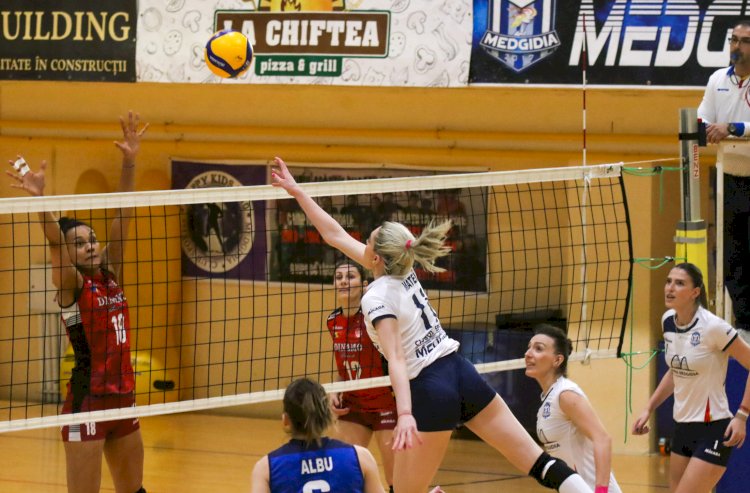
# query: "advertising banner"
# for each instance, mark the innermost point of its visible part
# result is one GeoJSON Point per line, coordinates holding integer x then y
{"type": "Point", "coordinates": [626, 42]}
{"type": "Point", "coordinates": [71, 40]}
{"type": "Point", "coordinates": [299, 253]}
{"type": "Point", "coordinates": [341, 42]}
{"type": "Point", "coordinates": [222, 239]}
{"type": "Point", "coordinates": [274, 241]}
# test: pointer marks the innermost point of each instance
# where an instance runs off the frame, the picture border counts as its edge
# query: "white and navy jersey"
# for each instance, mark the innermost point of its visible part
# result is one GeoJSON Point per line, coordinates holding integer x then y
{"type": "Point", "coordinates": [560, 437]}
{"type": "Point", "coordinates": [330, 466]}
{"type": "Point", "coordinates": [726, 99]}
{"type": "Point", "coordinates": [422, 337]}
{"type": "Point", "coordinates": [696, 355]}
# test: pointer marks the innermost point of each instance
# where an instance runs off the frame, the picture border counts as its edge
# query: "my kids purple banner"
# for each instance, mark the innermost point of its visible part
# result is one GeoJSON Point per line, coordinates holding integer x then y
{"type": "Point", "coordinates": [222, 239]}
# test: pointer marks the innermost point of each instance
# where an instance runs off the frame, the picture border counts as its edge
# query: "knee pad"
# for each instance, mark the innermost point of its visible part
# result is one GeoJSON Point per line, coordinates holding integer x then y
{"type": "Point", "coordinates": [550, 472]}
{"type": "Point", "coordinates": [141, 490]}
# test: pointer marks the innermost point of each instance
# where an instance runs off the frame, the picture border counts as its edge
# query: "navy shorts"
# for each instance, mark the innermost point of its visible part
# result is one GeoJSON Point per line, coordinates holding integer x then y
{"type": "Point", "coordinates": [448, 392]}
{"type": "Point", "coordinates": [703, 441]}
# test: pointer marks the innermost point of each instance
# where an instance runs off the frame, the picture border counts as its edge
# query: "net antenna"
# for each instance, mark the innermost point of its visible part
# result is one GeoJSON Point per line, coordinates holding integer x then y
{"type": "Point", "coordinates": [584, 63]}
{"type": "Point", "coordinates": [254, 319]}
{"type": "Point", "coordinates": [584, 264]}
{"type": "Point", "coordinates": [586, 183]}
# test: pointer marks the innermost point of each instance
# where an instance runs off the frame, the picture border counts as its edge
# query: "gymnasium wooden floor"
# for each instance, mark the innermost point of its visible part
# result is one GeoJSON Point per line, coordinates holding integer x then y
{"type": "Point", "coordinates": [204, 453]}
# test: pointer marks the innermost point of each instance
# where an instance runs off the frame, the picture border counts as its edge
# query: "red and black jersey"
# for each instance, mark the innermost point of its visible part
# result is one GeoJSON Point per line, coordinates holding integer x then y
{"type": "Point", "coordinates": [357, 357]}
{"type": "Point", "coordinates": [98, 326]}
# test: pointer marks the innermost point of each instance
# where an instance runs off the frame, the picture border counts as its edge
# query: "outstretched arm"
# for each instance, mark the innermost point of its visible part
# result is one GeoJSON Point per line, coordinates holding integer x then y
{"type": "Point", "coordinates": [331, 231]}
{"type": "Point", "coordinates": [65, 276]}
{"type": "Point", "coordinates": [130, 145]}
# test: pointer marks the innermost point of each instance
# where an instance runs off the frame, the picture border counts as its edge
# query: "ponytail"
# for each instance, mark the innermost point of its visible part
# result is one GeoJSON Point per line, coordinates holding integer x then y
{"type": "Point", "coordinates": [306, 404]}
{"type": "Point", "coordinates": [400, 249]}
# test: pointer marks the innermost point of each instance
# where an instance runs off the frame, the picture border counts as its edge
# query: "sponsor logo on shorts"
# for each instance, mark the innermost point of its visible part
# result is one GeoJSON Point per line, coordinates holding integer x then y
{"type": "Point", "coordinates": [712, 452]}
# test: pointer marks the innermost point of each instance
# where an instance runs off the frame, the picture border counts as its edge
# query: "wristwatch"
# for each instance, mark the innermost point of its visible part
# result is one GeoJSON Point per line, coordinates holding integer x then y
{"type": "Point", "coordinates": [733, 130]}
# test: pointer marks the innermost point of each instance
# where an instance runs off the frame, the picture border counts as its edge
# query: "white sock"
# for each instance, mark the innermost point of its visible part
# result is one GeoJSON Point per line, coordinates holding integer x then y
{"type": "Point", "coordinates": [574, 484]}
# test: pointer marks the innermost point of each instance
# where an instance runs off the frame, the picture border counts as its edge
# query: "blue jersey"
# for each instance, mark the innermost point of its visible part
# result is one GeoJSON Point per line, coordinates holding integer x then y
{"type": "Point", "coordinates": [331, 467]}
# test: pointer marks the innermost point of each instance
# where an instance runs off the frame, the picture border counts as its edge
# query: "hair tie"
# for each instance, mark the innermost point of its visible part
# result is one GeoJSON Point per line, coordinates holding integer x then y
{"type": "Point", "coordinates": [408, 244]}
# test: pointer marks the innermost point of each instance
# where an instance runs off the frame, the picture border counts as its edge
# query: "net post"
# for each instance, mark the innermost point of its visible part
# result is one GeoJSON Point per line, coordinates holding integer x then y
{"type": "Point", "coordinates": [690, 236]}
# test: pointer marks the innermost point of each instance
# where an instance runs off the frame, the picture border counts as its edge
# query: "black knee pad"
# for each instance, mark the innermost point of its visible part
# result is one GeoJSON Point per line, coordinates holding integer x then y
{"type": "Point", "coordinates": [550, 472]}
{"type": "Point", "coordinates": [141, 490]}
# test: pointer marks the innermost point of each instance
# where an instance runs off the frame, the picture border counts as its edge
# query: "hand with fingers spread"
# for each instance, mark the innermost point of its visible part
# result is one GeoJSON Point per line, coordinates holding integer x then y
{"type": "Point", "coordinates": [30, 181]}
{"type": "Point", "coordinates": [131, 138]}
{"type": "Point", "coordinates": [405, 434]}
{"type": "Point", "coordinates": [281, 177]}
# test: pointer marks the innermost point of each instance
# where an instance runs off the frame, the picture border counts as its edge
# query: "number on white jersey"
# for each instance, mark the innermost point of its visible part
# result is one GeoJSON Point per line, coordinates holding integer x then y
{"type": "Point", "coordinates": [429, 317]}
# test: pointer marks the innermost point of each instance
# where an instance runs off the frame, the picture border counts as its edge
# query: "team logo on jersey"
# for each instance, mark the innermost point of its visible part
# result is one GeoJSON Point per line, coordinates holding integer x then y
{"type": "Point", "coordinates": [337, 329]}
{"type": "Point", "coordinates": [542, 436]}
{"type": "Point", "coordinates": [679, 363]}
{"type": "Point", "coordinates": [546, 410]}
{"type": "Point", "coordinates": [520, 32]}
{"type": "Point", "coordinates": [216, 237]}
{"type": "Point", "coordinates": [695, 339]}
{"type": "Point", "coordinates": [680, 367]}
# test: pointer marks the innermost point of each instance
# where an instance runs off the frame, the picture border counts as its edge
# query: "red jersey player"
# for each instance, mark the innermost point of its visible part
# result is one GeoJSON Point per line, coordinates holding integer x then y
{"type": "Point", "coordinates": [98, 325]}
{"type": "Point", "coordinates": [362, 413]}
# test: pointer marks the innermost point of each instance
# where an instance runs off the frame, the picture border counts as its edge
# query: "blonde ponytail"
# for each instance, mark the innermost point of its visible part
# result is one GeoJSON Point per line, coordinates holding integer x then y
{"type": "Point", "coordinates": [400, 249]}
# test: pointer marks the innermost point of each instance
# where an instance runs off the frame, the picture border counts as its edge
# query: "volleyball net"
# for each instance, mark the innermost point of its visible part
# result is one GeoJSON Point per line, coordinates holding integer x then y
{"type": "Point", "coordinates": [230, 287]}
